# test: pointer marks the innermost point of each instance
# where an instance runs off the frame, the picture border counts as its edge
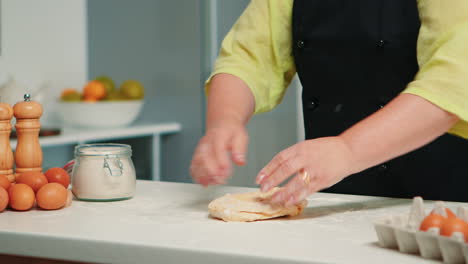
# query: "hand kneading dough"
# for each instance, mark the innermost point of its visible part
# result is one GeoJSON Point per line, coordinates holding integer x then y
{"type": "Point", "coordinates": [247, 207]}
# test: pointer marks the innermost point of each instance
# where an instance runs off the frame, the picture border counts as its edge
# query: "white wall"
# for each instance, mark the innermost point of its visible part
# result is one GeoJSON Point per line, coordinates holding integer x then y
{"type": "Point", "coordinates": [44, 41]}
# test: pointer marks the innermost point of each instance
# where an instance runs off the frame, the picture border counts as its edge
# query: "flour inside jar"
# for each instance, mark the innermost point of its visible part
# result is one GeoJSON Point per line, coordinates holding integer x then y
{"type": "Point", "coordinates": [103, 172]}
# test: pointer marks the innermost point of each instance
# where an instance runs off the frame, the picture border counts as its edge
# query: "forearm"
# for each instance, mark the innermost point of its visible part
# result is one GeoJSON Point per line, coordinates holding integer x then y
{"type": "Point", "coordinates": [230, 99]}
{"type": "Point", "coordinates": [405, 124]}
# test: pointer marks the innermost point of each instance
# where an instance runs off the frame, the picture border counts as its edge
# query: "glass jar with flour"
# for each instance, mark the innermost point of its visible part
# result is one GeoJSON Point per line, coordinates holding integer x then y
{"type": "Point", "coordinates": [103, 172]}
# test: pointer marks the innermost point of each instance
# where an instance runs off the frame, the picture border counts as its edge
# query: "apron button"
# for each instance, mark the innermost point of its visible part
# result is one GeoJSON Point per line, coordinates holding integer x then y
{"type": "Point", "coordinates": [381, 43]}
{"type": "Point", "coordinates": [311, 105]}
{"type": "Point", "coordinates": [300, 44]}
{"type": "Point", "coordinates": [338, 108]}
{"type": "Point", "coordinates": [383, 167]}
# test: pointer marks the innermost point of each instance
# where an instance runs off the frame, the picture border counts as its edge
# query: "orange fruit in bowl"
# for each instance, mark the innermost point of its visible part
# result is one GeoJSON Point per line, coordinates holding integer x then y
{"type": "Point", "coordinates": [70, 95]}
{"type": "Point", "coordinates": [68, 91]}
{"type": "Point", "coordinates": [95, 90]}
{"type": "Point", "coordinates": [90, 99]}
{"type": "Point", "coordinates": [109, 84]}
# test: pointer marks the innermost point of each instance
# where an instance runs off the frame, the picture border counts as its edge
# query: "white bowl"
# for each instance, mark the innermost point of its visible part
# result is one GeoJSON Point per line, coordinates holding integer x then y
{"type": "Point", "coordinates": [102, 114]}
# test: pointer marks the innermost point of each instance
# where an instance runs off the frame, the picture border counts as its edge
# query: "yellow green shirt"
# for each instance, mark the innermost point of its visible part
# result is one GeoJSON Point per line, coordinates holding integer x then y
{"type": "Point", "coordinates": [258, 50]}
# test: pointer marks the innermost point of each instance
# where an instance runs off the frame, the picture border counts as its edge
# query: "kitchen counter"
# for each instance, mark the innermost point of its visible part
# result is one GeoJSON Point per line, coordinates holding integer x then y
{"type": "Point", "coordinates": [169, 223]}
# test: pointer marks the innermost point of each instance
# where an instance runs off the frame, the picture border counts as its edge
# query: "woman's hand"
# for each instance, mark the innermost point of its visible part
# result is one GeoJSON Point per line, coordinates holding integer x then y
{"type": "Point", "coordinates": [316, 164]}
{"type": "Point", "coordinates": [230, 105]}
{"type": "Point", "coordinates": [223, 143]}
{"type": "Point", "coordinates": [405, 124]}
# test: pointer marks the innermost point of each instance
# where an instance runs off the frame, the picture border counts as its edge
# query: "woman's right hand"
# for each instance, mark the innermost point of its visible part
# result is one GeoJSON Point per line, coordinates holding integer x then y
{"type": "Point", "coordinates": [224, 143]}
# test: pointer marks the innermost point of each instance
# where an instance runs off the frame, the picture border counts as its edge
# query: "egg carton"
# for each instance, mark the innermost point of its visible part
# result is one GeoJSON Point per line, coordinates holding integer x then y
{"type": "Point", "coordinates": [401, 232]}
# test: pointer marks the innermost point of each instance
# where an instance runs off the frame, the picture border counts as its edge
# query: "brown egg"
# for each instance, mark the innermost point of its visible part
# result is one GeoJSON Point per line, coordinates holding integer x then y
{"type": "Point", "coordinates": [432, 220]}
{"type": "Point", "coordinates": [51, 196]}
{"type": "Point", "coordinates": [21, 197]}
{"type": "Point", "coordinates": [58, 175]}
{"type": "Point", "coordinates": [3, 199]}
{"type": "Point", "coordinates": [452, 225]}
{"type": "Point", "coordinates": [33, 179]}
{"type": "Point", "coordinates": [4, 182]}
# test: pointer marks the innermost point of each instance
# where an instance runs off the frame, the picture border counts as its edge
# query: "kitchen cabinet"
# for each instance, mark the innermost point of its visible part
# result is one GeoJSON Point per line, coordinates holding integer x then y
{"type": "Point", "coordinates": [168, 223]}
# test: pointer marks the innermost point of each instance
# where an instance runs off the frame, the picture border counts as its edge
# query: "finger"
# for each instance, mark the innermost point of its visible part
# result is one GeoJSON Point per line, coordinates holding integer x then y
{"type": "Point", "coordinates": [281, 173]}
{"type": "Point", "coordinates": [200, 175]}
{"type": "Point", "coordinates": [203, 167]}
{"type": "Point", "coordinates": [223, 176]}
{"type": "Point", "coordinates": [207, 178]}
{"type": "Point", "coordinates": [215, 158]}
{"type": "Point", "coordinates": [296, 190]}
{"type": "Point", "coordinates": [239, 146]}
{"type": "Point", "coordinates": [220, 151]}
{"type": "Point", "coordinates": [203, 159]}
{"type": "Point", "coordinates": [275, 163]}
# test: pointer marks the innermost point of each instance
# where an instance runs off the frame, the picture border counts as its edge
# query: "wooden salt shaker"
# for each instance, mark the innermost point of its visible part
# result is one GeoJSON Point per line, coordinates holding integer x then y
{"type": "Point", "coordinates": [6, 153]}
{"type": "Point", "coordinates": [28, 154]}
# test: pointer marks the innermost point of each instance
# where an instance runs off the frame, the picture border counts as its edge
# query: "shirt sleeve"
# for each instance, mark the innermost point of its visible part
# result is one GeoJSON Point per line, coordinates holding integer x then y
{"type": "Point", "coordinates": [258, 51]}
{"type": "Point", "coordinates": [443, 58]}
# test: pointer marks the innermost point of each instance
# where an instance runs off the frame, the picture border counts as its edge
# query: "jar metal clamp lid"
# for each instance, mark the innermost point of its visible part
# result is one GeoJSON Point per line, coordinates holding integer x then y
{"type": "Point", "coordinates": [109, 151]}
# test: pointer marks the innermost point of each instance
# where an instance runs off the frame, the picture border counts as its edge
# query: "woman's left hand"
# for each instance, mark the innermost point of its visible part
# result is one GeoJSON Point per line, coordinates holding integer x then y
{"type": "Point", "coordinates": [317, 164]}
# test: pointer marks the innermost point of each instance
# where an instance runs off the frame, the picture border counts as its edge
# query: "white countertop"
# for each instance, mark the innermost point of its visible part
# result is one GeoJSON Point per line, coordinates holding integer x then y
{"type": "Point", "coordinates": [169, 223]}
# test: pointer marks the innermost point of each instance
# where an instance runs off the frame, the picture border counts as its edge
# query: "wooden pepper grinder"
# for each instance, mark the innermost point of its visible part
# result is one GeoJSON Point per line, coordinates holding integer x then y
{"type": "Point", "coordinates": [28, 154]}
{"type": "Point", "coordinates": [6, 154]}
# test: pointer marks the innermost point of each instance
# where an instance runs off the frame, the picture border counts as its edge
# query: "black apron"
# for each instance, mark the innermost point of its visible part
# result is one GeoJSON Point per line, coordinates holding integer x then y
{"type": "Point", "coordinates": [352, 57]}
